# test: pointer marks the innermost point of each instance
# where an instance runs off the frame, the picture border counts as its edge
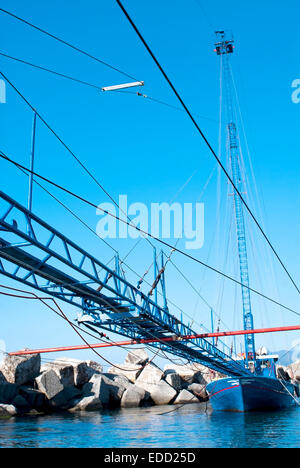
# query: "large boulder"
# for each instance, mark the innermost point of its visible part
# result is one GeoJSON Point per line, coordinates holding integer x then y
{"type": "Point", "coordinates": [186, 372]}
{"type": "Point", "coordinates": [56, 385]}
{"type": "Point", "coordinates": [71, 393]}
{"type": "Point", "coordinates": [85, 370]}
{"type": "Point", "coordinates": [95, 367]}
{"type": "Point", "coordinates": [77, 372]}
{"type": "Point", "coordinates": [134, 396]}
{"type": "Point", "coordinates": [66, 399]}
{"type": "Point", "coordinates": [7, 411]}
{"type": "Point", "coordinates": [20, 369]}
{"type": "Point", "coordinates": [162, 393]}
{"type": "Point", "coordinates": [116, 391]}
{"type": "Point", "coordinates": [21, 404]}
{"type": "Point", "coordinates": [137, 356]}
{"type": "Point", "coordinates": [99, 392]}
{"type": "Point", "coordinates": [118, 379]}
{"type": "Point", "coordinates": [204, 375]}
{"type": "Point", "coordinates": [109, 390]}
{"type": "Point", "coordinates": [2, 378]}
{"type": "Point", "coordinates": [295, 368]}
{"type": "Point", "coordinates": [282, 373]}
{"type": "Point", "coordinates": [88, 403]}
{"type": "Point", "coordinates": [59, 402]}
{"type": "Point", "coordinates": [185, 397]}
{"type": "Point", "coordinates": [150, 376]}
{"type": "Point", "coordinates": [173, 379]}
{"type": "Point", "coordinates": [35, 398]}
{"type": "Point", "coordinates": [198, 390]}
{"type": "Point", "coordinates": [118, 384]}
{"type": "Point", "coordinates": [98, 387]}
{"type": "Point", "coordinates": [192, 373]}
{"type": "Point", "coordinates": [131, 371]}
{"type": "Point", "coordinates": [8, 392]}
{"type": "Point", "coordinates": [49, 383]}
{"type": "Point", "coordinates": [65, 373]}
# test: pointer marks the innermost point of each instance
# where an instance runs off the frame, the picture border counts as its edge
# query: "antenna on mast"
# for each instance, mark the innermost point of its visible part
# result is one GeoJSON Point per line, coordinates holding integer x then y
{"type": "Point", "coordinates": [223, 46]}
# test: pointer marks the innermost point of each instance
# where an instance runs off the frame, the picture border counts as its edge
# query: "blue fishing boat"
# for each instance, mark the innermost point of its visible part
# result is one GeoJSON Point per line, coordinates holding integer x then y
{"type": "Point", "coordinates": [263, 389]}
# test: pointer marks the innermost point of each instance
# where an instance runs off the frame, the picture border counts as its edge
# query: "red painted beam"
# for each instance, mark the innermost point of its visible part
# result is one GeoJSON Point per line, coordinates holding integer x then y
{"type": "Point", "coordinates": [164, 340]}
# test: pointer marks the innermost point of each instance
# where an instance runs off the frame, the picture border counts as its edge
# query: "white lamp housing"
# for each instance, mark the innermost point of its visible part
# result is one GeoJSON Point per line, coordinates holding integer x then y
{"type": "Point", "coordinates": [123, 86]}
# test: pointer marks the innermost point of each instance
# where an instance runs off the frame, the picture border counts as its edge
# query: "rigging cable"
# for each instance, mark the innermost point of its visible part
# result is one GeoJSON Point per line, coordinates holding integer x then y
{"type": "Point", "coordinates": [207, 142]}
{"type": "Point", "coordinates": [77, 159]}
{"type": "Point", "coordinates": [178, 240]}
{"type": "Point", "coordinates": [255, 196]}
{"type": "Point", "coordinates": [197, 292]}
{"type": "Point", "coordinates": [61, 314]}
{"type": "Point", "coordinates": [62, 75]}
{"type": "Point", "coordinates": [83, 166]}
{"type": "Point", "coordinates": [122, 261]}
{"type": "Point", "coordinates": [142, 278]}
{"type": "Point", "coordinates": [68, 44]}
{"type": "Point", "coordinates": [98, 87]}
{"type": "Point", "coordinates": [158, 101]}
{"type": "Point", "coordinates": [84, 200]}
{"type": "Point", "coordinates": [75, 328]}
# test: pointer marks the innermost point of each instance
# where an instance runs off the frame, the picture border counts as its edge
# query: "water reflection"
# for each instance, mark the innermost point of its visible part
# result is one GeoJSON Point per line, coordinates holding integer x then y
{"type": "Point", "coordinates": [260, 429]}
{"type": "Point", "coordinates": [189, 426]}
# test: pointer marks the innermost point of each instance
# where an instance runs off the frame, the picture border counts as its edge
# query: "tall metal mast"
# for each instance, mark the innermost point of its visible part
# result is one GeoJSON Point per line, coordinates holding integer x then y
{"type": "Point", "coordinates": [224, 48]}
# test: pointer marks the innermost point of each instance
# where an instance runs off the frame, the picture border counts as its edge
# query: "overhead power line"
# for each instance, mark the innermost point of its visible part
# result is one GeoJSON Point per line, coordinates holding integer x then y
{"type": "Point", "coordinates": [62, 75]}
{"type": "Point", "coordinates": [68, 44]}
{"type": "Point", "coordinates": [144, 233]}
{"type": "Point", "coordinates": [206, 142]}
{"type": "Point", "coordinates": [82, 165]}
{"type": "Point", "coordinates": [98, 87]}
{"type": "Point", "coordinates": [57, 136]}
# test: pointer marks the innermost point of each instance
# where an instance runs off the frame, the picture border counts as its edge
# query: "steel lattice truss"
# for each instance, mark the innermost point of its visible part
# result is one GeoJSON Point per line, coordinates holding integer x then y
{"type": "Point", "coordinates": [37, 255]}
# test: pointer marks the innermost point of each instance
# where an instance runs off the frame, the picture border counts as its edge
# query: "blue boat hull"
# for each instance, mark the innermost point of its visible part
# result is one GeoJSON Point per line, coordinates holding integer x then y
{"type": "Point", "coordinates": [250, 394]}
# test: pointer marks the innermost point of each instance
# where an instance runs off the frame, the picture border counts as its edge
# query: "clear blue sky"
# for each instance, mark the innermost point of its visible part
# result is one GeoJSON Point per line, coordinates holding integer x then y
{"type": "Point", "coordinates": [146, 150]}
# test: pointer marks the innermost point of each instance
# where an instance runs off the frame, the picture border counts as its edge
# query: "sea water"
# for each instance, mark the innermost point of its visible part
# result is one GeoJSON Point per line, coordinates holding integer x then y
{"type": "Point", "coordinates": [166, 426]}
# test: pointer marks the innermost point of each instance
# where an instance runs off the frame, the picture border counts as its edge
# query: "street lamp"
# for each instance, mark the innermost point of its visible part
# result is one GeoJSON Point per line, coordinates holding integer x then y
{"type": "Point", "coordinates": [123, 86]}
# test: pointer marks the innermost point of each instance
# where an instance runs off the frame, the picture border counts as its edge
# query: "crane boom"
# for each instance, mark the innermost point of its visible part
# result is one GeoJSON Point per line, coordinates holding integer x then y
{"type": "Point", "coordinates": [224, 49]}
